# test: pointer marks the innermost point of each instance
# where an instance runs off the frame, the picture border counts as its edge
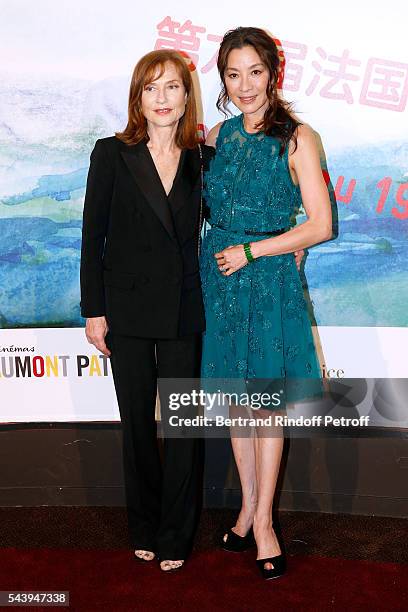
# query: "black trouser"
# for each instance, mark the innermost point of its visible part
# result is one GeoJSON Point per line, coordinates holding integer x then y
{"type": "Point", "coordinates": [162, 501]}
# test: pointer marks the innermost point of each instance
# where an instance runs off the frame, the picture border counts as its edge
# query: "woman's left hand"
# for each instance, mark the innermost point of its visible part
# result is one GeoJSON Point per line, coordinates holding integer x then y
{"type": "Point", "coordinates": [231, 259]}
{"type": "Point", "coordinates": [298, 258]}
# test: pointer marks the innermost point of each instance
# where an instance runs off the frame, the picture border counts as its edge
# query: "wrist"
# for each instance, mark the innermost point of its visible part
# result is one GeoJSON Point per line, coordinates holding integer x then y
{"type": "Point", "coordinates": [255, 249]}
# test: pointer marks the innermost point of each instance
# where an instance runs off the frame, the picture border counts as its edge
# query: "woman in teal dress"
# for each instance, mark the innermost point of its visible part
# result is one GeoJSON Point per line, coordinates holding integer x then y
{"type": "Point", "coordinates": [257, 326]}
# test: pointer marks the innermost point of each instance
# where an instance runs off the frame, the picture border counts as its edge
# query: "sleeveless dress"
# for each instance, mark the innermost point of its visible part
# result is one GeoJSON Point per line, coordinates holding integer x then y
{"type": "Point", "coordinates": [257, 325]}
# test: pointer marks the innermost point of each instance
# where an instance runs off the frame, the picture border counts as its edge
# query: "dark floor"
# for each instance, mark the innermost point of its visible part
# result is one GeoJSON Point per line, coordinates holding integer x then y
{"type": "Point", "coordinates": [304, 533]}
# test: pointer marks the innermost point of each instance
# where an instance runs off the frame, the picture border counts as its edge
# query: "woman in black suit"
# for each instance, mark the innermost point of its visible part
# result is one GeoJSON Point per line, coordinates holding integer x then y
{"type": "Point", "coordinates": [141, 291]}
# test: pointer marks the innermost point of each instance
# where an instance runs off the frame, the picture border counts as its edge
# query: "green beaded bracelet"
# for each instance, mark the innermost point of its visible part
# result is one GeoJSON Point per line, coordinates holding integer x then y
{"type": "Point", "coordinates": [247, 249]}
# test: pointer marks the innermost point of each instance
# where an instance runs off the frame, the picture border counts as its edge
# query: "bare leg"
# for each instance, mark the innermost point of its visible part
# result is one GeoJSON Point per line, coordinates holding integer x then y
{"type": "Point", "coordinates": [268, 454]}
{"type": "Point", "coordinates": [243, 446]}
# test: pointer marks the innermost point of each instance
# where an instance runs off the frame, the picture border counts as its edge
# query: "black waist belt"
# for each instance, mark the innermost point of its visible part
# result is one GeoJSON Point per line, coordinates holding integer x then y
{"type": "Point", "coordinates": [251, 233]}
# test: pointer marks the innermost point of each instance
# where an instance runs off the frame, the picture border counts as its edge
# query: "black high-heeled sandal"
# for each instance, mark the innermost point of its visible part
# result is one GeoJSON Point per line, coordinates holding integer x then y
{"type": "Point", "coordinates": [279, 566]}
{"type": "Point", "coordinates": [236, 543]}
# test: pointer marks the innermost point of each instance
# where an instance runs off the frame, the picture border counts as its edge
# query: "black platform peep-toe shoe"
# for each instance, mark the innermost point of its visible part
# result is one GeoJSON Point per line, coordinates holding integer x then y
{"type": "Point", "coordinates": [279, 566]}
{"type": "Point", "coordinates": [236, 543]}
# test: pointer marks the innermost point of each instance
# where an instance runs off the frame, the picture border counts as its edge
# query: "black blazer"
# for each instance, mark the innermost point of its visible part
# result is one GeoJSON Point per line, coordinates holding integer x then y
{"type": "Point", "coordinates": [139, 262]}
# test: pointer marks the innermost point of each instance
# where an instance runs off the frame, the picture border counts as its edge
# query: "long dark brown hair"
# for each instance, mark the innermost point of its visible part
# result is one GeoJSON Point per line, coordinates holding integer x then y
{"type": "Point", "coordinates": [278, 119]}
{"type": "Point", "coordinates": [152, 66]}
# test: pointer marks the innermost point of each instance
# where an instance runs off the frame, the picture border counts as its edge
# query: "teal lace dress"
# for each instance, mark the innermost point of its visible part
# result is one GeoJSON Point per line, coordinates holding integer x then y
{"type": "Point", "coordinates": [257, 325]}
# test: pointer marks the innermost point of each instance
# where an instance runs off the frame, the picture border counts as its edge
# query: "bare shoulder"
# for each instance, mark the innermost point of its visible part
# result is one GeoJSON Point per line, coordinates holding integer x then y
{"type": "Point", "coordinates": [306, 145]}
{"type": "Point", "coordinates": [305, 137]}
{"type": "Point", "coordinates": [212, 135]}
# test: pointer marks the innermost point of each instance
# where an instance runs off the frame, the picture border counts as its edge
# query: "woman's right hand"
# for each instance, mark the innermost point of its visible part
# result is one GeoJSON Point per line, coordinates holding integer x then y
{"type": "Point", "coordinates": [95, 330]}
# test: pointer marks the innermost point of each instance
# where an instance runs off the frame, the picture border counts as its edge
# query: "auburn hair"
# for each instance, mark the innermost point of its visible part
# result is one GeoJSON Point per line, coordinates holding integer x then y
{"type": "Point", "coordinates": [151, 67]}
{"type": "Point", "coordinates": [278, 119]}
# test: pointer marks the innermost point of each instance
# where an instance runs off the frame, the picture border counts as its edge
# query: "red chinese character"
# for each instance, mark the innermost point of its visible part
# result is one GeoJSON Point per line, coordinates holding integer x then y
{"type": "Point", "coordinates": [385, 85]}
{"type": "Point", "coordinates": [338, 76]}
{"type": "Point", "coordinates": [292, 70]}
{"type": "Point", "coordinates": [181, 37]}
{"type": "Point", "coordinates": [213, 60]}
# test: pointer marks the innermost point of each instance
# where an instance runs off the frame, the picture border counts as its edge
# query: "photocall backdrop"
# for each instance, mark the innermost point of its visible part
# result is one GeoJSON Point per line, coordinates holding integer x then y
{"type": "Point", "coordinates": [64, 83]}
